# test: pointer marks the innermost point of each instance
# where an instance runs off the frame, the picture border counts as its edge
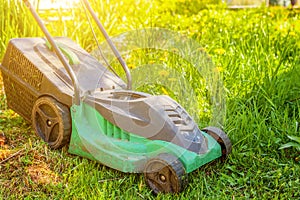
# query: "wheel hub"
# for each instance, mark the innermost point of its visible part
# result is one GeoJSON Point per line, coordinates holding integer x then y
{"type": "Point", "coordinates": [49, 123]}
{"type": "Point", "coordinates": [162, 178]}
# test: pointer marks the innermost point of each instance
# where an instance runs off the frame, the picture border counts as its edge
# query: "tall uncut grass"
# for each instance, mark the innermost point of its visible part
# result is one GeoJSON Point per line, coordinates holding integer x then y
{"type": "Point", "coordinates": [14, 22]}
{"type": "Point", "coordinates": [257, 53]}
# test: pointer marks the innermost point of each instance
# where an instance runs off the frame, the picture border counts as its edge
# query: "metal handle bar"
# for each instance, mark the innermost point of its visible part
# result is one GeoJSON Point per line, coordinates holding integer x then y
{"type": "Point", "coordinates": [111, 44]}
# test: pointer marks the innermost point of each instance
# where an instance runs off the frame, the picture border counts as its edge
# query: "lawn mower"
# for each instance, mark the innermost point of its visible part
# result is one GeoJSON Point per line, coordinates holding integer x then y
{"type": "Point", "coordinates": [69, 97]}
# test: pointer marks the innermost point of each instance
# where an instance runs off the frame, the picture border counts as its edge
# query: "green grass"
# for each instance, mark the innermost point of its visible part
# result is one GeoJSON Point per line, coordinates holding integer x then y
{"type": "Point", "coordinates": [257, 54]}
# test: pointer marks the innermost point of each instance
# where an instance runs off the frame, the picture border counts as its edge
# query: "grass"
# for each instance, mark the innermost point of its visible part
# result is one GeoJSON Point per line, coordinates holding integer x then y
{"type": "Point", "coordinates": [257, 54]}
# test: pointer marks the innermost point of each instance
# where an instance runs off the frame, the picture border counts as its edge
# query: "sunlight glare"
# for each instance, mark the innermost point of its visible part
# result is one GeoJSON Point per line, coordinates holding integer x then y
{"type": "Point", "coordinates": [55, 4]}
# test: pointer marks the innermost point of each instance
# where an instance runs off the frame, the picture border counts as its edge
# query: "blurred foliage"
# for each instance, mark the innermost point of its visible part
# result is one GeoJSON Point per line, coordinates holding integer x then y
{"type": "Point", "coordinates": [251, 48]}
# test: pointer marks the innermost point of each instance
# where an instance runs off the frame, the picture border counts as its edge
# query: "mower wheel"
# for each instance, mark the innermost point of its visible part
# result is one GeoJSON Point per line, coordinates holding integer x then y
{"type": "Point", "coordinates": [221, 137]}
{"type": "Point", "coordinates": [51, 121]}
{"type": "Point", "coordinates": [165, 174]}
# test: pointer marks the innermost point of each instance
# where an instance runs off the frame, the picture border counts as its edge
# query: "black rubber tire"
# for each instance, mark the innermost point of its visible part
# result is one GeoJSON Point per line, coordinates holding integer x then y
{"type": "Point", "coordinates": [51, 121]}
{"type": "Point", "coordinates": [222, 138]}
{"type": "Point", "coordinates": [165, 174]}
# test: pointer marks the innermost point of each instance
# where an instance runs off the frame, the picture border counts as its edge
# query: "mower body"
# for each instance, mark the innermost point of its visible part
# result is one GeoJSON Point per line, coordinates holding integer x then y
{"type": "Point", "coordinates": [120, 128]}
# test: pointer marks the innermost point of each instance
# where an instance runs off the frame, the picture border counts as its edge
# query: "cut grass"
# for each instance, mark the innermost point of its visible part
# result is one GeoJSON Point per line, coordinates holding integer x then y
{"type": "Point", "coordinates": [257, 53]}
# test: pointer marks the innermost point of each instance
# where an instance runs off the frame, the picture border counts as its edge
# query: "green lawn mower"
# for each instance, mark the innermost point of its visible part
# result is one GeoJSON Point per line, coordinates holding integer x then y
{"type": "Point", "coordinates": [69, 97]}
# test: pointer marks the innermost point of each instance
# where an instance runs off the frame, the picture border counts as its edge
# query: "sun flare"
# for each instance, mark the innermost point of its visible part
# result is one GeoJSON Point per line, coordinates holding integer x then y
{"type": "Point", "coordinates": [54, 4]}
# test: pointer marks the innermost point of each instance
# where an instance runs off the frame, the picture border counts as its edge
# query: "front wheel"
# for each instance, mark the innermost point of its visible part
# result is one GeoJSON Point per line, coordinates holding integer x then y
{"type": "Point", "coordinates": [51, 121]}
{"type": "Point", "coordinates": [221, 137]}
{"type": "Point", "coordinates": [165, 174]}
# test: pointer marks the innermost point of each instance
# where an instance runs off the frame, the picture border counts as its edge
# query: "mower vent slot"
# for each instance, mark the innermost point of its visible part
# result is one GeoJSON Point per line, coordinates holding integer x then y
{"type": "Point", "coordinates": [172, 113]}
{"type": "Point", "coordinates": [178, 116]}
{"type": "Point", "coordinates": [170, 110]}
{"type": "Point", "coordinates": [20, 66]}
{"type": "Point", "coordinates": [18, 97]}
{"type": "Point", "coordinates": [188, 127]}
{"type": "Point", "coordinates": [115, 132]}
{"type": "Point", "coordinates": [177, 120]}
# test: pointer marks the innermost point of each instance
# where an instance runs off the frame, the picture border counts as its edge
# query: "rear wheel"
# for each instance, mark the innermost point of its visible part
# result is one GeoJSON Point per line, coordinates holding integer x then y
{"type": "Point", "coordinates": [51, 121]}
{"type": "Point", "coordinates": [221, 137]}
{"type": "Point", "coordinates": [165, 174]}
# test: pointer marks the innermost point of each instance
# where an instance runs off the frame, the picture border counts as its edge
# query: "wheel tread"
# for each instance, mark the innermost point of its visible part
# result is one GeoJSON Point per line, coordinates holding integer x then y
{"type": "Point", "coordinates": [226, 143]}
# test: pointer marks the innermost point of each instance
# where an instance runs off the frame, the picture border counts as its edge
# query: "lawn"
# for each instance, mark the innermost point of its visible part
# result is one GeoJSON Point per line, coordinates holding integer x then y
{"type": "Point", "coordinates": [256, 53]}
